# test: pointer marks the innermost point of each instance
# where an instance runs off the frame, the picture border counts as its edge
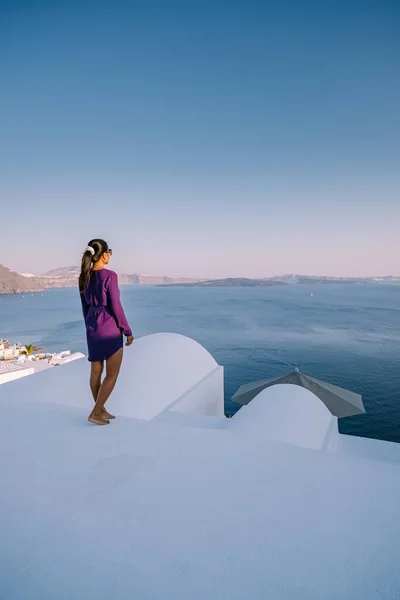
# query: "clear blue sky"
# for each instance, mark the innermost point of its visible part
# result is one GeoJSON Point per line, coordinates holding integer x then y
{"type": "Point", "coordinates": [202, 138]}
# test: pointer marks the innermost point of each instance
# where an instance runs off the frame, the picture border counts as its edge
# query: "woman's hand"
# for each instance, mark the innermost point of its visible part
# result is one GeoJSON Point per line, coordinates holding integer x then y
{"type": "Point", "coordinates": [129, 340]}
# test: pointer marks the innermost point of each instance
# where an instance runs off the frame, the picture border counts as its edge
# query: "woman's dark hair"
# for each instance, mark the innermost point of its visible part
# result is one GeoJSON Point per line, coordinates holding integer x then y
{"type": "Point", "coordinates": [88, 258]}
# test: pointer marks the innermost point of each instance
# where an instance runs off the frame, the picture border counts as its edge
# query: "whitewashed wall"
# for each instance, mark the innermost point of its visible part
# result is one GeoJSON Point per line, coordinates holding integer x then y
{"type": "Point", "coordinates": [13, 375]}
{"type": "Point", "coordinates": [206, 397]}
{"type": "Point", "coordinates": [159, 370]}
{"type": "Point", "coordinates": [64, 358]}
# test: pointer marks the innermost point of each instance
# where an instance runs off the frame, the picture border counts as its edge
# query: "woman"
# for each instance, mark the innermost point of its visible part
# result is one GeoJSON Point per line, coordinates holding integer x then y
{"type": "Point", "coordinates": [105, 324]}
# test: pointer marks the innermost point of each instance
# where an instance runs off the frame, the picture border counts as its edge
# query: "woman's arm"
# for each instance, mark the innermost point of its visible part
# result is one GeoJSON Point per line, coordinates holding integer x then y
{"type": "Point", "coordinates": [114, 302]}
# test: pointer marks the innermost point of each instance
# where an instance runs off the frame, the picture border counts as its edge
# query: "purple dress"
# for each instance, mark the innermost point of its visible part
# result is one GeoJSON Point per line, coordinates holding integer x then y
{"type": "Point", "coordinates": [104, 316]}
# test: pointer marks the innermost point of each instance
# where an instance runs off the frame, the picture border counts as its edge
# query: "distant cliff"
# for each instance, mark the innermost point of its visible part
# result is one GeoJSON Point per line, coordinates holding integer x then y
{"type": "Point", "coordinates": [14, 283]}
{"type": "Point", "coordinates": [60, 278]}
{"type": "Point", "coordinates": [64, 277]}
{"type": "Point", "coordinates": [68, 277]}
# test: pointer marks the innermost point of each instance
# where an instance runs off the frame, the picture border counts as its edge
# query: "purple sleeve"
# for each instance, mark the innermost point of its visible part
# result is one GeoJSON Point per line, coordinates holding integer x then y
{"type": "Point", "coordinates": [85, 305]}
{"type": "Point", "coordinates": [115, 305]}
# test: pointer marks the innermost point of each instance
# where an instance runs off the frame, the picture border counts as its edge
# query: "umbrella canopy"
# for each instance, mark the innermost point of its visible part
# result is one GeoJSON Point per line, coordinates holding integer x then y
{"type": "Point", "coordinates": [340, 402]}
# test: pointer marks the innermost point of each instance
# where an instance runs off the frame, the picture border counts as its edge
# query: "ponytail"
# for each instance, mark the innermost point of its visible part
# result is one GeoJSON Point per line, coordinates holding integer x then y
{"type": "Point", "coordinates": [93, 252]}
{"type": "Point", "coordinates": [86, 270]}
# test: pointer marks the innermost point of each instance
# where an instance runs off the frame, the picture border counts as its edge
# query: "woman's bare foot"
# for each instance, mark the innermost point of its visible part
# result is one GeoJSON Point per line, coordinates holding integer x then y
{"type": "Point", "coordinates": [106, 415]}
{"type": "Point", "coordinates": [98, 420]}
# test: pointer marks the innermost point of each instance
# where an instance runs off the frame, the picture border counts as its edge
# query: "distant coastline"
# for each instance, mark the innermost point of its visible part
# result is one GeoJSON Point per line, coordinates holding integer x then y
{"type": "Point", "coordinates": [291, 280]}
{"type": "Point", "coordinates": [64, 277]}
{"type": "Point", "coordinates": [231, 282]}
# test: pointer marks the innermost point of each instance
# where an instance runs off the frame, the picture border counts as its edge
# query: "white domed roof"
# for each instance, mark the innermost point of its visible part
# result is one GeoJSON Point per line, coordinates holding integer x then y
{"type": "Point", "coordinates": [156, 371]}
{"type": "Point", "coordinates": [288, 413]}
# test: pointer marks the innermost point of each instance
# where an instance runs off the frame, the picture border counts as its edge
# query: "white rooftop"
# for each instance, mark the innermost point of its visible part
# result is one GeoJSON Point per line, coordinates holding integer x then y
{"type": "Point", "coordinates": [182, 503]}
{"type": "Point", "coordinates": [7, 366]}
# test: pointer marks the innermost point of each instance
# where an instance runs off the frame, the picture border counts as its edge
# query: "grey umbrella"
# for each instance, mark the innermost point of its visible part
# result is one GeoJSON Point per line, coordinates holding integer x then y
{"type": "Point", "coordinates": [340, 402]}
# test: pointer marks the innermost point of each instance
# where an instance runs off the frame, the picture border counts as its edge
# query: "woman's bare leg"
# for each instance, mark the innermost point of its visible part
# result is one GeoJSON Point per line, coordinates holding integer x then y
{"type": "Point", "coordinates": [95, 383]}
{"type": "Point", "coordinates": [96, 372]}
{"type": "Point", "coordinates": [95, 377]}
{"type": "Point", "coordinates": [113, 365]}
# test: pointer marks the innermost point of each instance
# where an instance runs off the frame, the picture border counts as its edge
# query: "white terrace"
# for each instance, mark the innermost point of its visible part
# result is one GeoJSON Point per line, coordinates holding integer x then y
{"type": "Point", "coordinates": [174, 501]}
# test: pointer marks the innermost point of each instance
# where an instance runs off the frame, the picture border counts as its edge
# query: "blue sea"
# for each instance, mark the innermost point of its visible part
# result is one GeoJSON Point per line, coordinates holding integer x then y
{"type": "Point", "coordinates": [348, 335]}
